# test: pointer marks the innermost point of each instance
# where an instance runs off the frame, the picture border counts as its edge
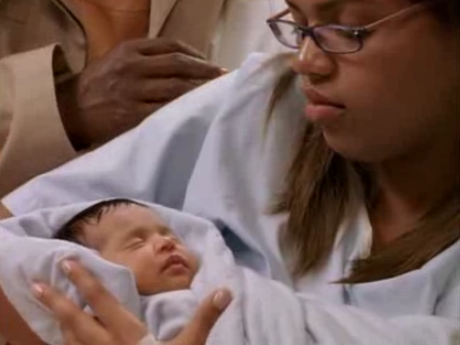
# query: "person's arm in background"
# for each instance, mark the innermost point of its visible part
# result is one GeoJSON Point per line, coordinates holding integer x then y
{"type": "Point", "coordinates": [47, 113]}
{"type": "Point", "coordinates": [32, 138]}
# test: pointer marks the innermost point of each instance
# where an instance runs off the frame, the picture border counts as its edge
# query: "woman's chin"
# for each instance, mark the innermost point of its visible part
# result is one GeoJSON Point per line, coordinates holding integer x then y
{"type": "Point", "coordinates": [352, 149]}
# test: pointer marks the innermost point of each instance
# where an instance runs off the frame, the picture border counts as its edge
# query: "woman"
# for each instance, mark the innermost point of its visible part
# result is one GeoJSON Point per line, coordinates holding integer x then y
{"type": "Point", "coordinates": [358, 205]}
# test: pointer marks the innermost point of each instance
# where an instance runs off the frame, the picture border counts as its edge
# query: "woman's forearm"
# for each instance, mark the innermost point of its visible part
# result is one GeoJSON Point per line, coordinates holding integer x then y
{"type": "Point", "coordinates": [13, 327]}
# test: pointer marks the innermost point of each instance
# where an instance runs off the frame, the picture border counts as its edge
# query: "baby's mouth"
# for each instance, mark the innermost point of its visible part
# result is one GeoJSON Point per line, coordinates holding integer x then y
{"type": "Point", "coordinates": [174, 260]}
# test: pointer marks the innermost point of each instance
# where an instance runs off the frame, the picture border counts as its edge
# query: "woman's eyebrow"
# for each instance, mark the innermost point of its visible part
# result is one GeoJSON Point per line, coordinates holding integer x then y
{"type": "Point", "coordinates": [326, 7]}
{"type": "Point", "coordinates": [293, 6]}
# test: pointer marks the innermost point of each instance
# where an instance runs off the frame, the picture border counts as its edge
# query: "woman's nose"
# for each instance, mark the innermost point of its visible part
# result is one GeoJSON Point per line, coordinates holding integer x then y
{"type": "Point", "coordinates": [313, 62]}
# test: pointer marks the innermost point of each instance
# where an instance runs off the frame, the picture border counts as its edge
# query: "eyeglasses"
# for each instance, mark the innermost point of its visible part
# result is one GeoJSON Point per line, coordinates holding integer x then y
{"type": "Point", "coordinates": [332, 39]}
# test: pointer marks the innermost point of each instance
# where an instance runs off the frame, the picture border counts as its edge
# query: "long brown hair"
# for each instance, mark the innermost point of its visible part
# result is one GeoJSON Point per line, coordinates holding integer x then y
{"type": "Point", "coordinates": [322, 189]}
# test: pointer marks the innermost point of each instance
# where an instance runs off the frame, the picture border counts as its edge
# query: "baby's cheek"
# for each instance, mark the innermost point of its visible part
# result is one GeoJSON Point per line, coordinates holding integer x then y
{"type": "Point", "coordinates": [147, 280]}
{"type": "Point", "coordinates": [146, 287]}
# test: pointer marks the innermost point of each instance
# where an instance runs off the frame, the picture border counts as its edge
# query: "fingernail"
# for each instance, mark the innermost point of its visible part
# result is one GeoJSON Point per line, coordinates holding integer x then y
{"type": "Point", "coordinates": [222, 299]}
{"type": "Point", "coordinates": [66, 267]}
{"type": "Point", "coordinates": [224, 71]}
{"type": "Point", "coordinates": [38, 290]}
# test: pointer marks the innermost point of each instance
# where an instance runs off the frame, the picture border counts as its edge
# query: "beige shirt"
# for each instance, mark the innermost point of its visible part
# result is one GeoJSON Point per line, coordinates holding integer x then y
{"type": "Point", "coordinates": [34, 33]}
{"type": "Point", "coordinates": [242, 30]}
{"type": "Point", "coordinates": [32, 137]}
{"type": "Point", "coordinates": [110, 22]}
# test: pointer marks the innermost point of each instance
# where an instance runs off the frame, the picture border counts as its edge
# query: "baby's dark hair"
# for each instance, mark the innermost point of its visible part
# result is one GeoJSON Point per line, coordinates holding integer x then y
{"type": "Point", "coordinates": [91, 215]}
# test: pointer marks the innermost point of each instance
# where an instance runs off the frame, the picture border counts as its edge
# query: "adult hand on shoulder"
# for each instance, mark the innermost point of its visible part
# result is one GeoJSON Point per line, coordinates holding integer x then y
{"type": "Point", "coordinates": [116, 92]}
{"type": "Point", "coordinates": [115, 325]}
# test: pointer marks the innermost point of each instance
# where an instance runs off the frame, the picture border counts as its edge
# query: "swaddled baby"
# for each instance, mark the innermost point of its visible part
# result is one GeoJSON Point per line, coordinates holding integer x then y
{"type": "Point", "coordinates": [133, 235]}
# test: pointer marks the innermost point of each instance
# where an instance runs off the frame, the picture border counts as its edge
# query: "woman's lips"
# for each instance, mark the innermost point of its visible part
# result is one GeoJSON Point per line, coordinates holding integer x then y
{"type": "Point", "coordinates": [321, 109]}
{"type": "Point", "coordinates": [323, 114]}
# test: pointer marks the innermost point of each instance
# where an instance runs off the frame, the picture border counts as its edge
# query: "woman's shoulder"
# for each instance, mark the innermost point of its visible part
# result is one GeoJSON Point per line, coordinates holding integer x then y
{"type": "Point", "coordinates": [437, 283]}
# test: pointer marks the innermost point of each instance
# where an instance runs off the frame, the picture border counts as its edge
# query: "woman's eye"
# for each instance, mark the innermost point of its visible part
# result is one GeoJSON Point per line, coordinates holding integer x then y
{"type": "Point", "coordinates": [350, 34]}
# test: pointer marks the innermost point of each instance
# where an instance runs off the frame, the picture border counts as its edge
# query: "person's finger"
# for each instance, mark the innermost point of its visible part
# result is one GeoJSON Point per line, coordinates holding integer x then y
{"type": "Point", "coordinates": [105, 306]}
{"type": "Point", "coordinates": [178, 64]}
{"type": "Point", "coordinates": [160, 46]}
{"type": "Point", "coordinates": [71, 317]}
{"type": "Point", "coordinates": [69, 337]}
{"type": "Point", "coordinates": [146, 109]}
{"type": "Point", "coordinates": [197, 331]}
{"type": "Point", "coordinates": [164, 90]}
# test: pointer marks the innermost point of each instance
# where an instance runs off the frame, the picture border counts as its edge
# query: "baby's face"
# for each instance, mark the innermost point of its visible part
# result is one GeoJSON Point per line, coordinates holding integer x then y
{"type": "Point", "coordinates": [135, 237]}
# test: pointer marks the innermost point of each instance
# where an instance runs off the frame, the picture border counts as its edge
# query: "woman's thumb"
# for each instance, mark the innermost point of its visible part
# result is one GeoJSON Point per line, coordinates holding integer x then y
{"type": "Point", "coordinates": [197, 331]}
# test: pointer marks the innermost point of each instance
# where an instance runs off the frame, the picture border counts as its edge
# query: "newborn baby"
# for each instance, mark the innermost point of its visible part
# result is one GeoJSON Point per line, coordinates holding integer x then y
{"type": "Point", "coordinates": [132, 235]}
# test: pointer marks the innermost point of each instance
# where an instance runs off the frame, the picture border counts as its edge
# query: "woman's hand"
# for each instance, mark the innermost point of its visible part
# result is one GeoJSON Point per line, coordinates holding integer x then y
{"type": "Point", "coordinates": [115, 325]}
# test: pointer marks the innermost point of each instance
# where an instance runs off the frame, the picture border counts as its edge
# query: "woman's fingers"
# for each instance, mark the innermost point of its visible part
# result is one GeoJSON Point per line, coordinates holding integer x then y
{"type": "Point", "coordinates": [106, 307]}
{"type": "Point", "coordinates": [69, 337]}
{"type": "Point", "coordinates": [71, 317]}
{"type": "Point", "coordinates": [197, 331]}
{"type": "Point", "coordinates": [117, 325]}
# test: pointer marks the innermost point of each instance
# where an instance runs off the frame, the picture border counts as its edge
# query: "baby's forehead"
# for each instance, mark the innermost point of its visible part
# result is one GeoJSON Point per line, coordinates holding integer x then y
{"type": "Point", "coordinates": [135, 214]}
{"type": "Point", "coordinates": [125, 220]}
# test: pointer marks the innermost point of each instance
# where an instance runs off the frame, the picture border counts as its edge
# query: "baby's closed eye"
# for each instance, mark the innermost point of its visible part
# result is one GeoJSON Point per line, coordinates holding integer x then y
{"type": "Point", "coordinates": [134, 243]}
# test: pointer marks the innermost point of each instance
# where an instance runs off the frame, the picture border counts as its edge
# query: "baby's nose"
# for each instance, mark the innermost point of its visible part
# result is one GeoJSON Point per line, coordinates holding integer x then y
{"type": "Point", "coordinates": [165, 244]}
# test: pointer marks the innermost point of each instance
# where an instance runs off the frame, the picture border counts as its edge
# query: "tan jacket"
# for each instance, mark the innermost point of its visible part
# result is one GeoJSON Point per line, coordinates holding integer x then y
{"type": "Point", "coordinates": [32, 33]}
